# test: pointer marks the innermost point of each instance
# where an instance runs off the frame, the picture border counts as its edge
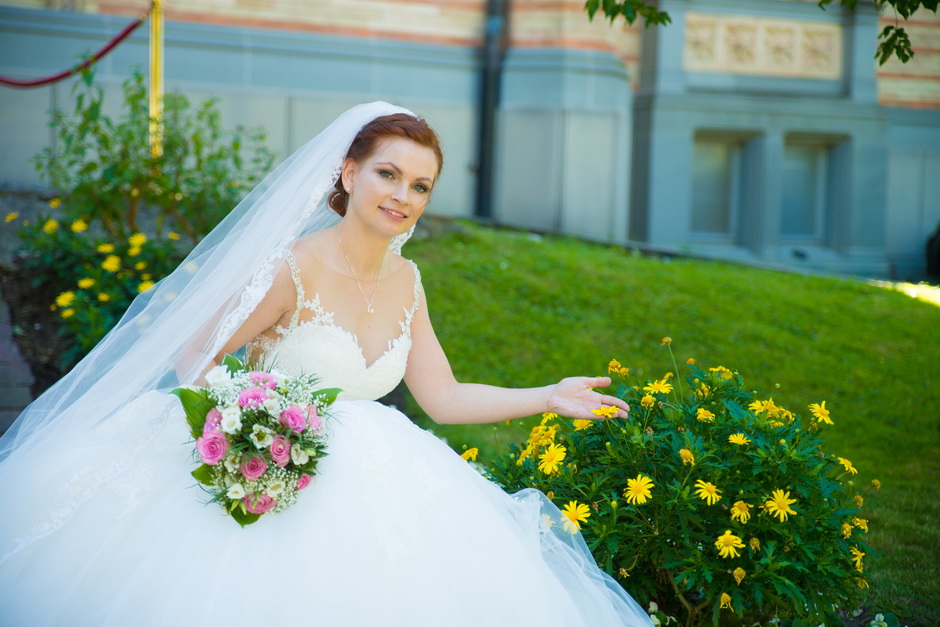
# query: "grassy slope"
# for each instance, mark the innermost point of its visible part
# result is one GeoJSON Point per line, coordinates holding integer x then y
{"type": "Point", "coordinates": [515, 310]}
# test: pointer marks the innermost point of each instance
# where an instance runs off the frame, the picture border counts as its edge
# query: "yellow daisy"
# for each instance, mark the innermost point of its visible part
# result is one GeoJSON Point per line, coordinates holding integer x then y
{"type": "Point", "coordinates": [779, 504]}
{"type": "Point", "coordinates": [820, 412]}
{"type": "Point", "coordinates": [470, 454]}
{"type": "Point", "coordinates": [728, 544]}
{"type": "Point", "coordinates": [848, 465]}
{"type": "Point", "coordinates": [112, 263]}
{"type": "Point", "coordinates": [613, 366]}
{"type": "Point", "coordinates": [708, 492]}
{"type": "Point", "coordinates": [687, 457]}
{"type": "Point", "coordinates": [741, 511]}
{"type": "Point", "coordinates": [65, 299]}
{"type": "Point", "coordinates": [704, 415]}
{"type": "Point", "coordinates": [606, 412]}
{"type": "Point", "coordinates": [857, 557]}
{"type": "Point", "coordinates": [551, 458]}
{"type": "Point", "coordinates": [580, 424]}
{"type": "Point", "coordinates": [739, 439]}
{"type": "Point", "coordinates": [638, 490]}
{"type": "Point", "coordinates": [575, 513]}
{"type": "Point", "coordinates": [647, 401]}
{"type": "Point", "coordinates": [658, 387]}
{"type": "Point", "coordinates": [739, 574]}
{"type": "Point", "coordinates": [726, 601]}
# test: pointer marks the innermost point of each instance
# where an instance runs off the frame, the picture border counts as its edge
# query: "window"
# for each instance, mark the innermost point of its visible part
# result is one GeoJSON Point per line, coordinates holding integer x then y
{"type": "Point", "coordinates": [716, 185]}
{"type": "Point", "coordinates": [805, 191]}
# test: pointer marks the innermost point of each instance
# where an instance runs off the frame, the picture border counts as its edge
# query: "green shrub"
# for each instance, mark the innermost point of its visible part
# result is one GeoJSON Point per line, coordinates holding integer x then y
{"type": "Point", "coordinates": [707, 500]}
{"type": "Point", "coordinates": [93, 251]}
{"type": "Point", "coordinates": [95, 280]}
{"type": "Point", "coordinates": [108, 175]}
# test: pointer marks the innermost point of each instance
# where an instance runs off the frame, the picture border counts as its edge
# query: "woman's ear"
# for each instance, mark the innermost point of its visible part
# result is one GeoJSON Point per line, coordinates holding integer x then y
{"type": "Point", "coordinates": [349, 171]}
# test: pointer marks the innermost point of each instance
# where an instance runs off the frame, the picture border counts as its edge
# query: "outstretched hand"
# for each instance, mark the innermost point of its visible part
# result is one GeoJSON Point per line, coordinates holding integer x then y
{"type": "Point", "coordinates": [575, 397]}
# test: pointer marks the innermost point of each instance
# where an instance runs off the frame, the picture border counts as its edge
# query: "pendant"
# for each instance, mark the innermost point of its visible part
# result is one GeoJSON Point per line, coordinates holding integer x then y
{"type": "Point", "coordinates": [370, 310]}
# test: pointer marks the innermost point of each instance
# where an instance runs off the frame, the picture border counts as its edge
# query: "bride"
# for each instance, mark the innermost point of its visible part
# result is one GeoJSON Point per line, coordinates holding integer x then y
{"type": "Point", "coordinates": [102, 524]}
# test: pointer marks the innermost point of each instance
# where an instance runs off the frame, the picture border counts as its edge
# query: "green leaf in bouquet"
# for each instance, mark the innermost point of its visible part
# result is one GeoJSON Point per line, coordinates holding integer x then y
{"type": "Point", "coordinates": [203, 475]}
{"type": "Point", "coordinates": [327, 395]}
{"type": "Point", "coordinates": [196, 404]}
{"type": "Point", "coordinates": [243, 517]}
{"type": "Point", "coordinates": [233, 364]}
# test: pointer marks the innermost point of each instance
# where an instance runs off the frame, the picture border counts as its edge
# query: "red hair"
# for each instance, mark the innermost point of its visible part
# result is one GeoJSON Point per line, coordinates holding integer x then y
{"type": "Point", "coordinates": [399, 125]}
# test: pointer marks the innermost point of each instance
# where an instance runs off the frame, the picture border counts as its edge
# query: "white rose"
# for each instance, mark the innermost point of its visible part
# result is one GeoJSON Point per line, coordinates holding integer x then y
{"type": "Point", "coordinates": [275, 488]}
{"type": "Point", "coordinates": [261, 436]}
{"type": "Point", "coordinates": [218, 376]}
{"type": "Point", "coordinates": [231, 463]}
{"type": "Point", "coordinates": [231, 420]}
{"type": "Point", "coordinates": [271, 406]}
{"type": "Point", "coordinates": [235, 491]}
{"type": "Point", "coordinates": [298, 455]}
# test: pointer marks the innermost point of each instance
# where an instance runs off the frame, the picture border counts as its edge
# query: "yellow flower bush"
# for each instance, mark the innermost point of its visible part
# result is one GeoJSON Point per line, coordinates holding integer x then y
{"type": "Point", "coordinates": [718, 499]}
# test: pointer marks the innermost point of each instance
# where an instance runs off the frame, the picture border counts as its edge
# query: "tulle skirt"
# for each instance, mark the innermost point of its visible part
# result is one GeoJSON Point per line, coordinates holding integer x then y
{"type": "Point", "coordinates": [395, 529]}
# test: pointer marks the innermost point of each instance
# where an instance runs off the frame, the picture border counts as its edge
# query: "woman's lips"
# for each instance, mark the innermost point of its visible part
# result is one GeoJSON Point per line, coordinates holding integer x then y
{"type": "Point", "coordinates": [392, 213]}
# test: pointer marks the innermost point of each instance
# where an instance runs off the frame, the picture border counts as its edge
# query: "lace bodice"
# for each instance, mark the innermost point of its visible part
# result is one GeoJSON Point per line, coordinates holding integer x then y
{"type": "Point", "coordinates": [330, 352]}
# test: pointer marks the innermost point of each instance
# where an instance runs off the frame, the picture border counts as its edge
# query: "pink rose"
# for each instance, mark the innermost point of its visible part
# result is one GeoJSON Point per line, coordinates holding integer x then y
{"type": "Point", "coordinates": [313, 420]}
{"type": "Point", "coordinates": [213, 421]}
{"type": "Point", "coordinates": [303, 481]}
{"type": "Point", "coordinates": [294, 419]}
{"type": "Point", "coordinates": [253, 468]}
{"type": "Point", "coordinates": [264, 379]}
{"type": "Point", "coordinates": [280, 450]}
{"type": "Point", "coordinates": [212, 447]}
{"type": "Point", "coordinates": [258, 503]}
{"type": "Point", "coordinates": [252, 397]}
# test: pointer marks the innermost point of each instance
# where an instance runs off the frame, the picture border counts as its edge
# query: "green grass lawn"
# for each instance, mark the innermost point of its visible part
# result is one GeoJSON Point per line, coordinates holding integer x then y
{"type": "Point", "coordinates": [517, 310]}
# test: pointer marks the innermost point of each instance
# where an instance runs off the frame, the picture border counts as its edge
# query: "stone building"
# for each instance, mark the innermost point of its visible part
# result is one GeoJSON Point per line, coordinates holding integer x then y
{"type": "Point", "coordinates": [758, 131]}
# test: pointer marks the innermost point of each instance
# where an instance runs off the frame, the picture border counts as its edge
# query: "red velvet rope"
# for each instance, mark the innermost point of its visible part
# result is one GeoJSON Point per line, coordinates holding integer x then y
{"type": "Point", "coordinates": [95, 57]}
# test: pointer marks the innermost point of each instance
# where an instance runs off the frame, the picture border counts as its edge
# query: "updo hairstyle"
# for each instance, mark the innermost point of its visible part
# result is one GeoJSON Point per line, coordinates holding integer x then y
{"type": "Point", "coordinates": [395, 125]}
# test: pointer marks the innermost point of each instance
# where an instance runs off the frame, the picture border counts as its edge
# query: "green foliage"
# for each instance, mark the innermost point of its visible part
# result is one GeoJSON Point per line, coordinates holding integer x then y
{"type": "Point", "coordinates": [664, 540]}
{"type": "Point", "coordinates": [893, 40]}
{"type": "Point", "coordinates": [95, 278]}
{"type": "Point", "coordinates": [629, 9]}
{"type": "Point", "coordinates": [99, 259]}
{"type": "Point", "coordinates": [108, 174]}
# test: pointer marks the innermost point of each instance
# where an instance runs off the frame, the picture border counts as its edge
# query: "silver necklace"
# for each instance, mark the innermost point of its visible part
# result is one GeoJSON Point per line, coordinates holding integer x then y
{"type": "Point", "coordinates": [369, 301]}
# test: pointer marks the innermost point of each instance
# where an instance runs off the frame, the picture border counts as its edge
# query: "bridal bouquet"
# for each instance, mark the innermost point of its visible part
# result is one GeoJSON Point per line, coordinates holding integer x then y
{"type": "Point", "coordinates": [259, 435]}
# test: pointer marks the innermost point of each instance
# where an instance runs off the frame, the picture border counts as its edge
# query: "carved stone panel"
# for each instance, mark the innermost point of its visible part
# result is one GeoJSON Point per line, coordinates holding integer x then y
{"type": "Point", "coordinates": [738, 44]}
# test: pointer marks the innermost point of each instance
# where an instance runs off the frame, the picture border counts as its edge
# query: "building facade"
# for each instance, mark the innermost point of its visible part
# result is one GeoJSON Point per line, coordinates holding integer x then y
{"type": "Point", "coordinates": [756, 131]}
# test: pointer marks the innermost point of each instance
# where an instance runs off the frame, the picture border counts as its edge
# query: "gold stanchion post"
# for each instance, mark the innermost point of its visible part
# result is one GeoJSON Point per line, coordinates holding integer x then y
{"type": "Point", "coordinates": [156, 78]}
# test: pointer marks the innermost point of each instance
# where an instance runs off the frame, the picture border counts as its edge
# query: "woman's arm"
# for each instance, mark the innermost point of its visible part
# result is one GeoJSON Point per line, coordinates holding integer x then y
{"type": "Point", "coordinates": [279, 300]}
{"type": "Point", "coordinates": [430, 379]}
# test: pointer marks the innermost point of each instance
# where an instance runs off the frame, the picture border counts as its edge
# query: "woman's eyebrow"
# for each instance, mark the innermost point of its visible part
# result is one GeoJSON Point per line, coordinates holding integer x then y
{"type": "Point", "coordinates": [398, 170]}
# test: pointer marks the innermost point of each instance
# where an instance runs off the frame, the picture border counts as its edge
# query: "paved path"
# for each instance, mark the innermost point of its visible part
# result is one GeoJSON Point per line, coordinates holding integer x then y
{"type": "Point", "coordinates": [15, 376]}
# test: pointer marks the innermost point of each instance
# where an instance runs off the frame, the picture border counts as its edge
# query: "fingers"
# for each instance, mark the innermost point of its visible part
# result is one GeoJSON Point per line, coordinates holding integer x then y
{"type": "Point", "coordinates": [599, 382]}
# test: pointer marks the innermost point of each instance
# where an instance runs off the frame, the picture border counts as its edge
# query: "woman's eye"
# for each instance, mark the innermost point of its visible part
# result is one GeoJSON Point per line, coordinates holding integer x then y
{"type": "Point", "coordinates": [421, 189]}
{"type": "Point", "coordinates": [385, 174]}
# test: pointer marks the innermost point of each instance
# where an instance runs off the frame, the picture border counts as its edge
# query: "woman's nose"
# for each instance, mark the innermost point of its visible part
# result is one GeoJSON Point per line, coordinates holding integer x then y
{"type": "Point", "coordinates": [400, 193]}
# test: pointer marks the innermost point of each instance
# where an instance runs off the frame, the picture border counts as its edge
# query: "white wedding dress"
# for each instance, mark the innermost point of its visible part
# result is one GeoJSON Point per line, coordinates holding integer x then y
{"type": "Point", "coordinates": [395, 529]}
